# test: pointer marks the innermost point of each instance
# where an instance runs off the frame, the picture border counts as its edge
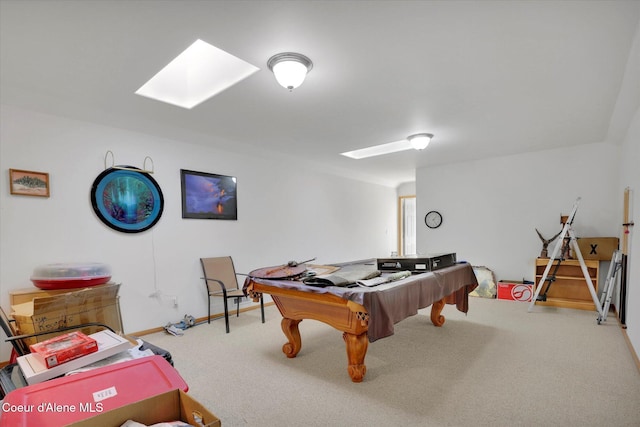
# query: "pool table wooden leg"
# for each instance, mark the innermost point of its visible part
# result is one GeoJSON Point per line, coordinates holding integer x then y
{"type": "Point", "coordinates": [290, 329]}
{"type": "Point", "coordinates": [356, 350]}
{"type": "Point", "coordinates": [436, 308]}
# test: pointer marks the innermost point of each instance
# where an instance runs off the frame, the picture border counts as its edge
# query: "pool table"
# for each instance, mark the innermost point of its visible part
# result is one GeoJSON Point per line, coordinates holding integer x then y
{"type": "Point", "coordinates": [364, 314]}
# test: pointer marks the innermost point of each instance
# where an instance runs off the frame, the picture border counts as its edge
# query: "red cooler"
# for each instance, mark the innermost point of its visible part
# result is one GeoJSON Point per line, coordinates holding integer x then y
{"type": "Point", "coordinates": [65, 400]}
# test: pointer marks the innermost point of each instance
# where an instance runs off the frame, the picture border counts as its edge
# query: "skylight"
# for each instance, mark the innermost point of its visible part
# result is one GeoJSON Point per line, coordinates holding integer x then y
{"type": "Point", "coordinates": [378, 150]}
{"type": "Point", "coordinates": [197, 74]}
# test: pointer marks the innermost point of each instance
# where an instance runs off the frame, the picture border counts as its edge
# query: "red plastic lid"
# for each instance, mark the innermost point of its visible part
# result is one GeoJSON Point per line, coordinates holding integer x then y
{"type": "Point", "coordinates": [65, 400]}
{"type": "Point", "coordinates": [53, 284]}
{"type": "Point", "coordinates": [70, 275]}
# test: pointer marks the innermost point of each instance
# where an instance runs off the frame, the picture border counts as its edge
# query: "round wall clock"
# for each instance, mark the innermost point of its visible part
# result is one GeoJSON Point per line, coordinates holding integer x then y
{"type": "Point", "coordinates": [433, 219]}
{"type": "Point", "coordinates": [127, 200]}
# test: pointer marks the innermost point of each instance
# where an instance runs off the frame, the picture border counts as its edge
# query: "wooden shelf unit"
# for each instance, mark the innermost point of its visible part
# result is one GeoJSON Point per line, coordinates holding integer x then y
{"type": "Point", "coordinates": [570, 289]}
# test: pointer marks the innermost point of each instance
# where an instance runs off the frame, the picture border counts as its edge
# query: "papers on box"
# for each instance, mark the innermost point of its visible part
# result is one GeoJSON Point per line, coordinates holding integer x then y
{"type": "Point", "coordinates": [35, 370]}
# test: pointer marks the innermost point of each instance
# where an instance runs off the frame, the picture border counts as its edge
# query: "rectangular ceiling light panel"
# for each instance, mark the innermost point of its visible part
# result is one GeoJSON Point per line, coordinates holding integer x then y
{"type": "Point", "coordinates": [197, 74]}
{"type": "Point", "coordinates": [378, 150]}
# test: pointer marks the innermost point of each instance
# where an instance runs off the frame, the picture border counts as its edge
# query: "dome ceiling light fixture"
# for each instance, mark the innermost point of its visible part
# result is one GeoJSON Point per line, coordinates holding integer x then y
{"type": "Point", "coordinates": [290, 68]}
{"type": "Point", "coordinates": [418, 141]}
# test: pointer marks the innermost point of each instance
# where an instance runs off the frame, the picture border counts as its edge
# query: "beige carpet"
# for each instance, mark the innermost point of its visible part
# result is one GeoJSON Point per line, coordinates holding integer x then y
{"type": "Point", "coordinates": [498, 366]}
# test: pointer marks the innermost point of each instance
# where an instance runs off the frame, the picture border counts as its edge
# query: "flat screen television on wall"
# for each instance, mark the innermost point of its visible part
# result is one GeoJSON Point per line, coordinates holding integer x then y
{"type": "Point", "coordinates": [208, 195]}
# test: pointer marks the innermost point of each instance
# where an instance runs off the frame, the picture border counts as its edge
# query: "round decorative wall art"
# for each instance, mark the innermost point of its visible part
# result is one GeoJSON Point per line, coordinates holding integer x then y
{"type": "Point", "coordinates": [127, 200]}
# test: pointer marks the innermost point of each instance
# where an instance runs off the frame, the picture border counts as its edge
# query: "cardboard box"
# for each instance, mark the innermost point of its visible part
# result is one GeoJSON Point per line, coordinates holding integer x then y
{"type": "Point", "coordinates": [19, 296]}
{"type": "Point", "coordinates": [35, 370]}
{"type": "Point", "coordinates": [98, 304]}
{"type": "Point", "coordinates": [514, 290]}
{"type": "Point", "coordinates": [600, 248]}
{"type": "Point", "coordinates": [175, 405]}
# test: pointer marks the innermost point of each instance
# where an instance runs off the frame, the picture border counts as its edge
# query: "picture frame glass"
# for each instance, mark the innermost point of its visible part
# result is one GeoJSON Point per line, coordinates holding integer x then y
{"type": "Point", "coordinates": [127, 200]}
{"type": "Point", "coordinates": [208, 195]}
{"type": "Point", "coordinates": [28, 183]}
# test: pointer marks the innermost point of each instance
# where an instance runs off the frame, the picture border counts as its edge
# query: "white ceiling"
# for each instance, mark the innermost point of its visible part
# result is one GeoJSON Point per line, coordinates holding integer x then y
{"type": "Point", "coordinates": [487, 78]}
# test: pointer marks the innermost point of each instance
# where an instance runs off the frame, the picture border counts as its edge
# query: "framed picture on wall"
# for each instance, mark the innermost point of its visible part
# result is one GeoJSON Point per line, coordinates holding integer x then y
{"type": "Point", "coordinates": [126, 199]}
{"type": "Point", "coordinates": [208, 195]}
{"type": "Point", "coordinates": [29, 183]}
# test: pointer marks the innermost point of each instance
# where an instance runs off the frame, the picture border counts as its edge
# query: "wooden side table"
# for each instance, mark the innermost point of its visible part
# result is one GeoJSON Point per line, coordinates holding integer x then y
{"type": "Point", "coordinates": [570, 289]}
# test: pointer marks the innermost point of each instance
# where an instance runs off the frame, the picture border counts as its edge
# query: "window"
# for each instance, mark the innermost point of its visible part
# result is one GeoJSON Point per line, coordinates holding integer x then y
{"type": "Point", "coordinates": [407, 225]}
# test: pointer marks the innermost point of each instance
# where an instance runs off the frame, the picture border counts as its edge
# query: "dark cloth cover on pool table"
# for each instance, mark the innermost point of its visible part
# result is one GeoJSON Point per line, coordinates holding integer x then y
{"type": "Point", "coordinates": [390, 303]}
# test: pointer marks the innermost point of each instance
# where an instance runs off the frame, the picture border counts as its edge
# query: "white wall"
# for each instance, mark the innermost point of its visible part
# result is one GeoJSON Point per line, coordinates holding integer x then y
{"type": "Point", "coordinates": [491, 208]}
{"type": "Point", "coordinates": [630, 177]}
{"type": "Point", "coordinates": [285, 213]}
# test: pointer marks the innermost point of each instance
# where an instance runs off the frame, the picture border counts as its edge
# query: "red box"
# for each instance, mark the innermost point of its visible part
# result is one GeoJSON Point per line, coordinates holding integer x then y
{"type": "Point", "coordinates": [63, 348]}
{"type": "Point", "coordinates": [514, 290]}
